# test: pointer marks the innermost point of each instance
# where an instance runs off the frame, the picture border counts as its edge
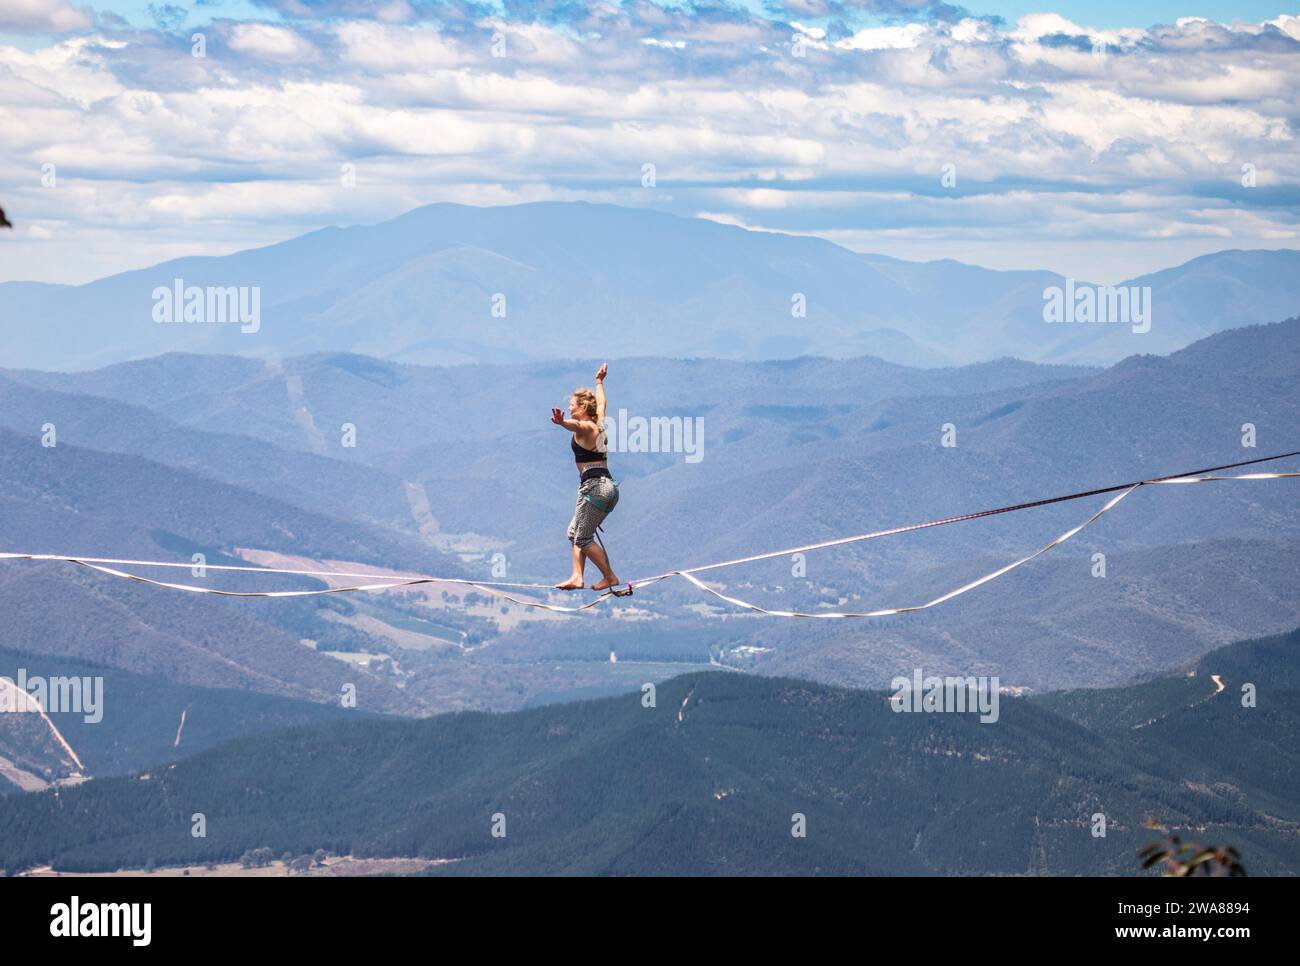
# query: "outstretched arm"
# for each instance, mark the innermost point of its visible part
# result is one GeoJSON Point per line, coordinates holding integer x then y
{"type": "Point", "coordinates": [600, 393]}
{"type": "Point", "coordinates": [572, 425]}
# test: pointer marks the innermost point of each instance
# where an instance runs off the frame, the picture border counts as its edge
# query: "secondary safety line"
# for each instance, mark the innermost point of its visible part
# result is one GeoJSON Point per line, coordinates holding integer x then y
{"type": "Point", "coordinates": [257, 570]}
{"type": "Point", "coordinates": [840, 541]}
{"type": "Point", "coordinates": [944, 598]}
{"type": "Point", "coordinates": [492, 587]}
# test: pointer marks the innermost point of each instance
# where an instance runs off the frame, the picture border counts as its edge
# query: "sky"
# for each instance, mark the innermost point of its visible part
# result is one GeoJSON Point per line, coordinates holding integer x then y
{"type": "Point", "coordinates": [1100, 140]}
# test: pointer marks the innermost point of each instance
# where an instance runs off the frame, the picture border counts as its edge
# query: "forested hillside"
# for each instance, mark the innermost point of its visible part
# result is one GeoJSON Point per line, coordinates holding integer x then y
{"type": "Point", "coordinates": [712, 778]}
{"type": "Point", "coordinates": [124, 722]}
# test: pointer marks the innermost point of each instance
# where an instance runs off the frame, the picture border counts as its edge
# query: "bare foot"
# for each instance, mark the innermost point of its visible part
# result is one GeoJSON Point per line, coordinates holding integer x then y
{"type": "Point", "coordinates": [607, 583]}
{"type": "Point", "coordinates": [573, 583]}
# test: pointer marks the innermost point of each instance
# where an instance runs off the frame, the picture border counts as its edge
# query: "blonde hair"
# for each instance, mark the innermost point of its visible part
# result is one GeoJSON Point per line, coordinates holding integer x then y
{"type": "Point", "coordinates": [586, 400]}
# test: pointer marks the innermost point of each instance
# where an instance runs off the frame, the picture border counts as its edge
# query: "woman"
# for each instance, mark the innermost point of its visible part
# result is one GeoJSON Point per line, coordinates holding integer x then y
{"type": "Point", "coordinates": [597, 491]}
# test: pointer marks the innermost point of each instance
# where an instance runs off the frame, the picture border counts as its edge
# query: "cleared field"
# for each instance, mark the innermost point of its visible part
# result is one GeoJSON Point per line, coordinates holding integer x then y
{"type": "Point", "coordinates": [343, 865]}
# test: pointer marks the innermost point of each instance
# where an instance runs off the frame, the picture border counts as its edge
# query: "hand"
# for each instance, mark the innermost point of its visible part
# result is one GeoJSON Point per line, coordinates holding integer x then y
{"type": "Point", "coordinates": [600, 373]}
{"type": "Point", "coordinates": [557, 417]}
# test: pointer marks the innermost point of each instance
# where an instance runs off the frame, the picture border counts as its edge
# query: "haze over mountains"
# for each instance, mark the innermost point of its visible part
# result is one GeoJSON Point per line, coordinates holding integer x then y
{"type": "Point", "coordinates": [456, 471]}
{"type": "Point", "coordinates": [365, 461]}
{"type": "Point", "coordinates": [288, 452]}
{"type": "Point", "coordinates": [450, 284]}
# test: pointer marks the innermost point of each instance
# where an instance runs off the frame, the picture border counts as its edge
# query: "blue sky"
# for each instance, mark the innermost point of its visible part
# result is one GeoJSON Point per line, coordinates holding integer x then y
{"type": "Point", "coordinates": [1078, 137]}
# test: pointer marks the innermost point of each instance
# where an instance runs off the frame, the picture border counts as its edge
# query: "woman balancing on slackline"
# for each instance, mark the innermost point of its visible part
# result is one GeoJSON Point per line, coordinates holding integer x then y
{"type": "Point", "coordinates": [597, 491]}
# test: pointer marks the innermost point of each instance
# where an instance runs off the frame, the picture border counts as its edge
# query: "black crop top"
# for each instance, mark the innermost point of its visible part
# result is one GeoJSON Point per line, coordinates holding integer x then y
{"type": "Point", "coordinates": [583, 455]}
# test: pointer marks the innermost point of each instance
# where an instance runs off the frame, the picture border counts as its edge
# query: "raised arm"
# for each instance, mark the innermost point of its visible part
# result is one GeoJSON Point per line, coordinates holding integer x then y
{"type": "Point", "coordinates": [600, 393]}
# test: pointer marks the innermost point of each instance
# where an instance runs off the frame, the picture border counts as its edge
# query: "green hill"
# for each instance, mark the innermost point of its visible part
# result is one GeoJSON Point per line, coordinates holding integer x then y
{"type": "Point", "coordinates": [141, 720]}
{"type": "Point", "coordinates": [708, 781]}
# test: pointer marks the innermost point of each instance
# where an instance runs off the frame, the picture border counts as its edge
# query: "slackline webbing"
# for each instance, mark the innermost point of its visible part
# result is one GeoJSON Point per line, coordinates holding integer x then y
{"type": "Point", "coordinates": [109, 566]}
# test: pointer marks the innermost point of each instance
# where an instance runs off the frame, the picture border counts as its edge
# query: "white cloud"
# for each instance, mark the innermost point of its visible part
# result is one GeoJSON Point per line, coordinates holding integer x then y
{"type": "Point", "coordinates": [271, 42]}
{"type": "Point", "coordinates": [971, 30]}
{"type": "Point", "coordinates": [1035, 26]}
{"type": "Point", "coordinates": [885, 38]}
{"type": "Point", "coordinates": [69, 74]}
{"type": "Point", "coordinates": [247, 142]}
{"type": "Point", "coordinates": [388, 48]}
{"type": "Point", "coordinates": [43, 16]}
{"type": "Point", "coordinates": [1288, 24]}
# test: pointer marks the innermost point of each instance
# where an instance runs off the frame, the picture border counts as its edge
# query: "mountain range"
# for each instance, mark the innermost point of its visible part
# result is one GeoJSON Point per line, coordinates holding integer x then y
{"type": "Point", "coordinates": [238, 459]}
{"type": "Point", "coordinates": [447, 284]}
{"type": "Point", "coordinates": [356, 462]}
{"type": "Point", "coordinates": [277, 448]}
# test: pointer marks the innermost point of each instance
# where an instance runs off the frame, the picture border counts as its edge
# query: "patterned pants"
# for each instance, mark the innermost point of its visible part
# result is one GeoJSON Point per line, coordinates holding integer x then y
{"type": "Point", "coordinates": [587, 516]}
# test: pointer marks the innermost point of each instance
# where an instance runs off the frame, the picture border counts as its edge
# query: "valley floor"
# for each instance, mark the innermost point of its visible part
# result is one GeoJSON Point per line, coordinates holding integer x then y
{"type": "Point", "coordinates": [341, 865]}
